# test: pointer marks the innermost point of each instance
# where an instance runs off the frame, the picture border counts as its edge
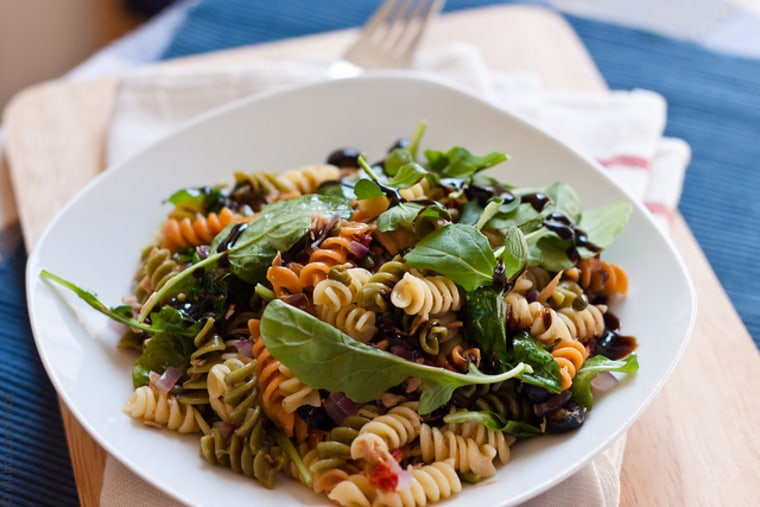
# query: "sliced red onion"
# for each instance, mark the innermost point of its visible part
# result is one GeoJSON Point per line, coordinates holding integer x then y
{"type": "Point", "coordinates": [358, 250]}
{"type": "Point", "coordinates": [225, 428]}
{"type": "Point", "coordinates": [297, 300]}
{"type": "Point", "coordinates": [404, 479]}
{"type": "Point", "coordinates": [338, 406]}
{"type": "Point", "coordinates": [244, 348]}
{"type": "Point", "coordinates": [166, 380]}
{"type": "Point", "coordinates": [603, 382]}
{"type": "Point", "coordinates": [552, 404]}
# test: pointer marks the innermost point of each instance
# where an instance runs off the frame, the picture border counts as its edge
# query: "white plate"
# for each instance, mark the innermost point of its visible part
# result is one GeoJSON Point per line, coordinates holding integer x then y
{"type": "Point", "coordinates": [95, 242]}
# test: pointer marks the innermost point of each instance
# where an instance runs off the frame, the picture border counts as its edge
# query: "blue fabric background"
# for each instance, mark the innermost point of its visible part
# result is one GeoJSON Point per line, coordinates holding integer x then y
{"type": "Point", "coordinates": [714, 104]}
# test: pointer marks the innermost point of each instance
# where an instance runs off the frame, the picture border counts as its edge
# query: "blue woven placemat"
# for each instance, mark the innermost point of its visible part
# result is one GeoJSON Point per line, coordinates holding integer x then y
{"type": "Point", "coordinates": [34, 465]}
{"type": "Point", "coordinates": [713, 100]}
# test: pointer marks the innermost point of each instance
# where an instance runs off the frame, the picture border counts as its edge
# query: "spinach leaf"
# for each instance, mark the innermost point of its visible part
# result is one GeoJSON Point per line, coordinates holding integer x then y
{"type": "Point", "coordinates": [545, 370]}
{"type": "Point", "coordinates": [458, 251]}
{"type": "Point", "coordinates": [581, 387]}
{"type": "Point", "coordinates": [494, 422]}
{"type": "Point", "coordinates": [323, 357]}
{"type": "Point", "coordinates": [278, 226]}
{"type": "Point", "coordinates": [486, 311]}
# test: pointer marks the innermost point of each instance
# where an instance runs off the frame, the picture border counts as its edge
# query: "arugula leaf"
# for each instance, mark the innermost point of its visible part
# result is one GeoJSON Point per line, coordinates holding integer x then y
{"type": "Point", "coordinates": [458, 251]}
{"type": "Point", "coordinates": [545, 370]}
{"type": "Point", "coordinates": [117, 314]}
{"type": "Point", "coordinates": [459, 162]}
{"type": "Point", "coordinates": [401, 216]}
{"type": "Point", "coordinates": [564, 200]}
{"type": "Point", "coordinates": [367, 189]}
{"type": "Point", "coordinates": [515, 254]}
{"type": "Point", "coordinates": [201, 200]}
{"type": "Point", "coordinates": [323, 357]}
{"type": "Point", "coordinates": [581, 387]}
{"type": "Point", "coordinates": [163, 350]}
{"type": "Point", "coordinates": [603, 223]}
{"type": "Point", "coordinates": [494, 422]}
{"type": "Point", "coordinates": [277, 227]}
{"type": "Point", "coordinates": [486, 311]}
{"type": "Point", "coordinates": [407, 175]}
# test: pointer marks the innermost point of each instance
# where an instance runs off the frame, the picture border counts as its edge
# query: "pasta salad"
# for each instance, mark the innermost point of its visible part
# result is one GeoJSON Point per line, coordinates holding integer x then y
{"type": "Point", "coordinates": [381, 332]}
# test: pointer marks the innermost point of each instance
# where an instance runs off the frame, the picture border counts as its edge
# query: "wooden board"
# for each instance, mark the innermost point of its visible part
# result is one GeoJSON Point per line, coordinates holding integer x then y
{"type": "Point", "coordinates": [696, 444]}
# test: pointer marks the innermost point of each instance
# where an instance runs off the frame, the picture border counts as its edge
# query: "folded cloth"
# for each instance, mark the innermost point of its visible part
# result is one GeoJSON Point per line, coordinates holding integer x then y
{"type": "Point", "coordinates": [622, 130]}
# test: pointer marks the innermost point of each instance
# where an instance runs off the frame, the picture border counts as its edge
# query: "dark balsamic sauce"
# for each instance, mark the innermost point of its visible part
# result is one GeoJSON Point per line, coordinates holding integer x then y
{"type": "Point", "coordinates": [612, 344]}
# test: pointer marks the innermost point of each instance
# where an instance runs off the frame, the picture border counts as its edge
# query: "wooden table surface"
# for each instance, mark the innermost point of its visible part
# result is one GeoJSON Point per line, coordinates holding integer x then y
{"type": "Point", "coordinates": [697, 443]}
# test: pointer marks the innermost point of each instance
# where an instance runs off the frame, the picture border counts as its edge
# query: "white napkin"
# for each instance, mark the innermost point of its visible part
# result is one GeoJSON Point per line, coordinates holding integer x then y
{"type": "Point", "coordinates": [623, 130]}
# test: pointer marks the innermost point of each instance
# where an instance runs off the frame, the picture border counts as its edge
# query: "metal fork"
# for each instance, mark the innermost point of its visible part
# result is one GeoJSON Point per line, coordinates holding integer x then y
{"type": "Point", "coordinates": [390, 37]}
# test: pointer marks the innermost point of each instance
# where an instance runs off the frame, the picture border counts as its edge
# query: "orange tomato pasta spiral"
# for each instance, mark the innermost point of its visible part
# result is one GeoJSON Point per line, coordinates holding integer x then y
{"type": "Point", "coordinates": [269, 379]}
{"type": "Point", "coordinates": [284, 279]}
{"type": "Point", "coordinates": [601, 277]}
{"type": "Point", "coordinates": [331, 252]}
{"type": "Point", "coordinates": [570, 355]}
{"type": "Point", "coordinates": [184, 232]}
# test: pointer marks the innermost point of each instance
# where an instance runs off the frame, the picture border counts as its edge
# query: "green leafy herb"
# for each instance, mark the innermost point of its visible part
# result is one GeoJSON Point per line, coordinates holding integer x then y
{"type": "Point", "coordinates": [401, 216]}
{"type": "Point", "coordinates": [494, 422]}
{"type": "Point", "coordinates": [545, 370]}
{"type": "Point", "coordinates": [458, 162]}
{"type": "Point", "coordinates": [515, 254]}
{"type": "Point", "coordinates": [581, 387]}
{"type": "Point", "coordinates": [325, 358]}
{"type": "Point", "coordinates": [278, 227]}
{"type": "Point", "coordinates": [457, 251]}
{"type": "Point", "coordinates": [367, 189]}
{"type": "Point", "coordinates": [200, 200]}
{"type": "Point", "coordinates": [119, 314]}
{"type": "Point", "coordinates": [486, 311]}
{"type": "Point", "coordinates": [602, 224]}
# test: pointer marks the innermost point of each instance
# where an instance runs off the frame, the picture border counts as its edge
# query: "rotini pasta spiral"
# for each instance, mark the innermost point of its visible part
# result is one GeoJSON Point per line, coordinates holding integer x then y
{"type": "Point", "coordinates": [245, 451]}
{"type": "Point", "coordinates": [466, 453]}
{"type": "Point", "coordinates": [330, 461]}
{"type": "Point", "coordinates": [184, 233]}
{"type": "Point", "coordinates": [425, 295]}
{"type": "Point", "coordinates": [157, 267]}
{"type": "Point", "coordinates": [584, 324]}
{"type": "Point", "coordinates": [570, 355]}
{"type": "Point", "coordinates": [481, 435]}
{"type": "Point", "coordinates": [375, 292]}
{"type": "Point", "coordinates": [392, 430]}
{"type": "Point", "coordinates": [355, 321]}
{"type": "Point", "coordinates": [269, 380]}
{"type": "Point", "coordinates": [163, 409]}
{"type": "Point", "coordinates": [429, 483]}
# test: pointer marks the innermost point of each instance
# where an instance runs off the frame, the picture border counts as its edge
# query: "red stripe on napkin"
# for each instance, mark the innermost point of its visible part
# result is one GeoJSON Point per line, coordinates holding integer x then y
{"type": "Point", "coordinates": [632, 161]}
{"type": "Point", "coordinates": [659, 208]}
